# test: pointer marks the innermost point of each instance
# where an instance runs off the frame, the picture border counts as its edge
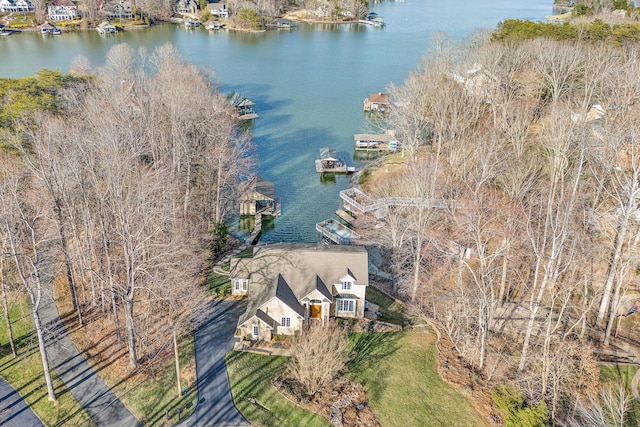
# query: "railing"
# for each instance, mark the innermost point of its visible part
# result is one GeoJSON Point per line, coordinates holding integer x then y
{"type": "Point", "coordinates": [368, 204]}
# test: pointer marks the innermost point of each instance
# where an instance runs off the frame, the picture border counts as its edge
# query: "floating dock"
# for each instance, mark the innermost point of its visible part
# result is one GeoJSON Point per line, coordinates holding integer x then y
{"type": "Point", "coordinates": [334, 232]}
{"type": "Point", "coordinates": [330, 162]}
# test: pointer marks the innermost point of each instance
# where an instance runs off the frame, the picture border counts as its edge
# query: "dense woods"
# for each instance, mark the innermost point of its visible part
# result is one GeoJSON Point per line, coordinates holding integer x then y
{"type": "Point", "coordinates": [116, 178]}
{"type": "Point", "coordinates": [526, 154]}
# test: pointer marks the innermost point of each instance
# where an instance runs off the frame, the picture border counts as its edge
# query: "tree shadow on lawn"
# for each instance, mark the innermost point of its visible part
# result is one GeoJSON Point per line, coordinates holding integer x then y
{"type": "Point", "coordinates": [369, 347]}
{"type": "Point", "coordinates": [251, 376]}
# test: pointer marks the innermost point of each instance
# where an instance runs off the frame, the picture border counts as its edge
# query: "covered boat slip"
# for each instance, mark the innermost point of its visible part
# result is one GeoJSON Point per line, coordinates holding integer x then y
{"type": "Point", "coordinates": [375, 142]}
{"type": "Point", "coordinates": [329, 161]}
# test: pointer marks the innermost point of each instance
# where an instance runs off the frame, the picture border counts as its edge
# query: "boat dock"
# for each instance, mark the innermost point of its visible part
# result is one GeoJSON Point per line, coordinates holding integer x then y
{"type": "Point", "coordinates": [375, 142]}
{"type": "Point", "coordinates": [330, 162]}
{"type": "Point", "coordinates": [333, 231]}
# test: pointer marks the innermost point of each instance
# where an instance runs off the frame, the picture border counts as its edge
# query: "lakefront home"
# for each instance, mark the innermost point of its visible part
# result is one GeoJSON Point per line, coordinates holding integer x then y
{"type": "Point", "coordinates": [289, 285]}
{"type": "Point", "coordinates": [62, 10]}
{"type": "Point", "coordinates": [15, 5]}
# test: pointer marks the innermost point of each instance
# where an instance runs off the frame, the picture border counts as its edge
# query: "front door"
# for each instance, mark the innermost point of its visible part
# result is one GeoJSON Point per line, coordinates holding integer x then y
{"type": "Point", "coordinates": [256, 331]}
{"type": "Point", "coordinates": [315, 311]}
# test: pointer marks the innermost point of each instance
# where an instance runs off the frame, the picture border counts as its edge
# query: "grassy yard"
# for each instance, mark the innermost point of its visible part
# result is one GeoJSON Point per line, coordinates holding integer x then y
{"type": "Point", "coordinates": [623, 373]}
{"type": "Point", "coordinates": [398, 371]}
{"type": "Point", "coordinates": [390, 310]}
{"type": "Point", "coordinates": [25, 374]}
{"type": "Point", "coordinates": [154, 398]}
{"type": "Point", "coordinates": [250, 376]}
{"type": "Point", "coordinates": [218, 284]}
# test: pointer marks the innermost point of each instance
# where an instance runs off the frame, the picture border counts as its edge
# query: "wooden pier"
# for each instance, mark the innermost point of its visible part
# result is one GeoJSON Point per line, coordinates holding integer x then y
{"type": "Point", "coordinates": [348, 219]}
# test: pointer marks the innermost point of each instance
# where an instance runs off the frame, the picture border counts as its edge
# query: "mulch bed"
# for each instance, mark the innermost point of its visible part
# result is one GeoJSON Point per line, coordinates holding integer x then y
{"type": "Point", "coordinates": [343, 403]}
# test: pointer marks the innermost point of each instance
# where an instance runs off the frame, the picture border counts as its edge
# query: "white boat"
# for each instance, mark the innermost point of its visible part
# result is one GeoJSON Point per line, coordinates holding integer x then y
{"type": "Point", "coordinates": [6, 32]}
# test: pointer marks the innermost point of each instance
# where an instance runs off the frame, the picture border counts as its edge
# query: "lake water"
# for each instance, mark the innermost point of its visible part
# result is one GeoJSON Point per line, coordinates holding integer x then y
{"type": "Point", "coordinates": [308, 82]}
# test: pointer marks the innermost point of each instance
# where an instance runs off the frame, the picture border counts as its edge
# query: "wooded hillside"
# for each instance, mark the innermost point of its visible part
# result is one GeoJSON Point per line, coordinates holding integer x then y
{"type": "Point", "coordinates": [529, 258]}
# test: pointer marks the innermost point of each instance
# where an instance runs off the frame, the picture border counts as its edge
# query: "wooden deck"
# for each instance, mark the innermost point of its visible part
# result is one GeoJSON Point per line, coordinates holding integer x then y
{"type": "Point", "coordinates": [356, 200]}
{"type": "Point", "coordinates": [334, 232]}
{"type": "Point", "coordinates": [340, 167]}
{"type": "Point", "coordinates": [345, 216]}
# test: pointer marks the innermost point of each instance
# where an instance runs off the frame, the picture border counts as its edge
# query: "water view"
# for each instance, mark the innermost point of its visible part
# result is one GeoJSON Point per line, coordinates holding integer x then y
{"type": "Point", "coordinates": [308, 83]}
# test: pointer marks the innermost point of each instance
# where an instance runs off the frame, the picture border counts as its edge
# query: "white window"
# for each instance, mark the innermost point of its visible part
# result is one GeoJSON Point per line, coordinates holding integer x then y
{"type": "Point", "coordinates": [240, 284]}
{"type": "Point", "coordinates": [346, 285]}
{"type": "Point", "coordinates": [285, 322]}
{"type": "Point", "coordinates": [346, 305]}
{"type": "Point", "coordinates": [256, 331]}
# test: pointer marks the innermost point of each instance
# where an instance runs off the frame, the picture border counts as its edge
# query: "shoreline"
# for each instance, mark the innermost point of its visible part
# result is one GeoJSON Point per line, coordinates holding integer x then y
{"type": "Point", "coordinates": [297, 15]}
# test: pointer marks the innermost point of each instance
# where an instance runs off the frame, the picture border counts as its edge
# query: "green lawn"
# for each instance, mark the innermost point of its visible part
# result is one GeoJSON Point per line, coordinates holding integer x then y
{"type": "Point", "coordinates": [250, 376]}
{"type": "Point", "coordinates": [25, 374]}
{"type": "Point", "coordinates": [218, 284]}
{"type": "Point", "coordinates": [391, 311]}
{"type": "Point", "coordinates": [398, 371]}
{"type": "Point", "coordinates": [624, 373]}
{"type": "Point", "coordinates": [155, 398]}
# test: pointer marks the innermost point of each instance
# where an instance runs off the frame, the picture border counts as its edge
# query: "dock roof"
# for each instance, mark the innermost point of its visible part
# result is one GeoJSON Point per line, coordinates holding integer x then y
{"type": "Point", "coordinates": [328, 153]}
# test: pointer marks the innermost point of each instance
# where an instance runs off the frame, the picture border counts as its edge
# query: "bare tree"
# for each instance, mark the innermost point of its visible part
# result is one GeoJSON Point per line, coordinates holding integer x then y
{"type": "Point", "coordinates": [22, 224]}
{"type": "Point", "coordinates": [319, 354]}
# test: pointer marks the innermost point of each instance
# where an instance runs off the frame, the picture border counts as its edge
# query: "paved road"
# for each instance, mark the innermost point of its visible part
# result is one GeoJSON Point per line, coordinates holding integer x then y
{"type": "Point", "coordinates": [14, 411]}
{"type": "Point", "coordinates": [212, 340]}
{"type": "Point", "coordinates": [102, 406]}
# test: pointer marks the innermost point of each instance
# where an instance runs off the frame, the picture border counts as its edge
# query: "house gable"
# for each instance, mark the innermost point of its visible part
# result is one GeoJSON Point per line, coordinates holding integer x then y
{"type": "Point", "coordinates": [291, 283]}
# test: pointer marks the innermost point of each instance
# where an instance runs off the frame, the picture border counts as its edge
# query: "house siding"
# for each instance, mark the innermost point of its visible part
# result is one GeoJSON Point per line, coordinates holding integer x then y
{"type": "Point", "coordinates": [264, 331]}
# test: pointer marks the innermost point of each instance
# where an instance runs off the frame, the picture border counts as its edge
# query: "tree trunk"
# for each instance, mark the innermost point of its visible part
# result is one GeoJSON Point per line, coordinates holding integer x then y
{"type": "Point", "coordinates": [5, 307]}
{"type": "Point", "coordinates": [43, 353]}
{"type": "Point", "coordinates": [131, 333]}
{"type": "Point", "coordinates": [176, 355]}
{"type": "Point", "coordinates": [616, 252]}
{"type": "Point", "coordinates": [67, 261]}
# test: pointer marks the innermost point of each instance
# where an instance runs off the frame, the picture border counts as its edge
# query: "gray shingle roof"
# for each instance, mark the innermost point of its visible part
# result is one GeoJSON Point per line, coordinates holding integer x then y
{"type": "Point", "coordinates": [291, 271]}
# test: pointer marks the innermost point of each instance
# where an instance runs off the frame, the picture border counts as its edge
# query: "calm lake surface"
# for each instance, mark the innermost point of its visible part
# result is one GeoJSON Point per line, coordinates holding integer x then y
{"type": "Point", "coordinates": [308, 82]}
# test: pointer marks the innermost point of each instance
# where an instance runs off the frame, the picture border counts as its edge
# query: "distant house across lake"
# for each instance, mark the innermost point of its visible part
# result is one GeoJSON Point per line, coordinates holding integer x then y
{"type": "Point", "coordinates": [62, 10]}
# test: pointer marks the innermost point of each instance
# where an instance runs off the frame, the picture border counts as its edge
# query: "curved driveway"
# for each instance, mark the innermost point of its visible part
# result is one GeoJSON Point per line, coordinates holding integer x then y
{"type": "Point", "coordinates": [213, 339]}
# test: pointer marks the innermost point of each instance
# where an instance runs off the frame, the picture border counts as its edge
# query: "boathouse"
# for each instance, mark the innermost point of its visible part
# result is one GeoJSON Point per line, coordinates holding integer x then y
{"type": "Point", "coordinates": [259, 196]}
{"type": "Point", "coordinates": [330, 162]}
{"type": "Point", "coordinates": [377, 102]}
{"type": "Point", "coordinates": [375, 142]}
{"type": "Point", "coordinates": [243, 106]}
{"type": "Point", "coordinates": [106, 28]}
{"type": "Point", "coordinates": [282, 23]}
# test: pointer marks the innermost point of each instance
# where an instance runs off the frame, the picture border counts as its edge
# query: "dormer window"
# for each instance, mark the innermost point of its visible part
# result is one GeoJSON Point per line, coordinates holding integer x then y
{"type": "Point", "coordinates": [346, 285]}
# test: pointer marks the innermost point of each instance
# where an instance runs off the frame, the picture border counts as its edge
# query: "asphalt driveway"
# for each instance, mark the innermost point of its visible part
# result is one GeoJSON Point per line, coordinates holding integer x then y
{"type": "Point", "coordinates": [14, 411]}
{"type": "Point", "coordinates": [212, 341]}
{"type": "Point", "coordinates": [101, 404]}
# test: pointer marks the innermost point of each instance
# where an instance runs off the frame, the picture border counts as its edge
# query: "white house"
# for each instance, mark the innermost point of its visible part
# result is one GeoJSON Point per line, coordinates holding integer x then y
{"type": "Point", "coordinates": [289, 285]}
{"type": "Point", "coordinates": [62, 10]}
{"type": "Point", "coordinates": [15, 5]}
